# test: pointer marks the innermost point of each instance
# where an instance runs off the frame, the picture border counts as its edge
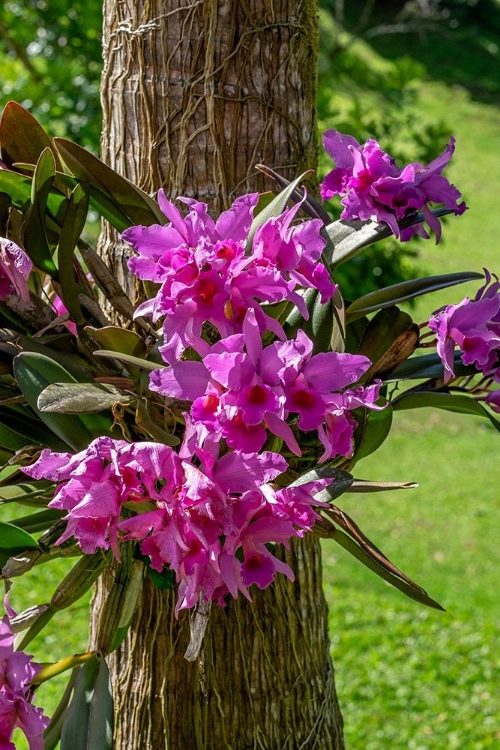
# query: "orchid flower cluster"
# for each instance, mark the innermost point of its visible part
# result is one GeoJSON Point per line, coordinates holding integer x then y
{"type": "Point", "coordinates": [213, 507]}
{"type": "Point", "coordinates": [472, 326]}
{"type": "Point", "coordinates": [16, 708]}
{"type": "Point", "coordinates": [374, 187]}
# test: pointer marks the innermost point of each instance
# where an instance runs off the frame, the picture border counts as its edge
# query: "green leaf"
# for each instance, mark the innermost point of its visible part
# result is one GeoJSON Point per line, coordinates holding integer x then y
{"type": "Point", "coordinates": [406, 290]}
{"type": "Point", "coordinates": [427, 366]}
{"type": "Point", "coordinates": [380, 565]}
{"type": "Point", "coordinates": [22, 138]}
{"type": "Point", "coordinates": [11, 440]}
{"type": "Point", "coordinates": [116, 339]}
{"type": "Point", "coordinates": [128, 359]}
{"type": "Point", "coordinates": [349, 238]}
{"type": "Point", "coordinates": [273, 209]}
{"type": "Point", "coordinates": [34, 372]}
{"type": "Point", "coordinates": [310, 205]}
{"type": "Point", "coordinates": [38, 521]}
{"type": "Point", "coordinates": [365, 485]}
{"type": "Point", "coordinates": [13, 540]}
{"type": "Point", "coordinates": [24, 492]}
{"type": "Point", "coordinates": [109, 210]}
{"type": "Point", "coordinates": [72, 227]}
{"type": "Point", "coordinates": [457, 402]}
{"type": "Point", "coordinates": [373, 428]}
{"type": "Point", "coordinates": [18, 188]}
{"type": "Point", "coordinates": [88, 724]}
{"type": "Point", "coordinates": [34, 230]}
{"type": "Point", "coordinates": [70, 361]}
{"type": "Point", "coordinates": [79, 398]}
{"type": "Point", "coordinates": [31, 430]}
{"type": "Point", "coordinates": [341, 482]}
{"type": "Point", "coordinates": [134, 202]}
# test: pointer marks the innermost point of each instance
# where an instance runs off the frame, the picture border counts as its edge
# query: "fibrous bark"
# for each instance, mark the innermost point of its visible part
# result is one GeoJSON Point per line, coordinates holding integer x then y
{"type": "Point", "coordinates": [195, 93]}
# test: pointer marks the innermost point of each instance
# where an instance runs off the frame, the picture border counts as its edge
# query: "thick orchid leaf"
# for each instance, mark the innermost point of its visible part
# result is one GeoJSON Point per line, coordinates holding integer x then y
{"type": "Point", "coordinates": [427, 366]}
{"type": "Point", "coordinates": [128, 359]}
{"type": "Point", "coordinates": [310, 205]}
{"type": "Point", "coordinates": [117, 339]}
{"type": "Point", "coordinates": [457, 402]}
{"type": "Point", "coordinates": [8, 472]}
{"type": "Point", "coordinates": [372, 430]}
{"type": "Point", "coordinates": [17, 419]}
{"type": "Point", "coordinates": [389, 338]}
{"type": "Point", "coordinates": [109, 210]}
{"type": "Point", "coordinates": [365, 485]}
{"type": "Point", "coordinates": [10, 440]}
{"type": "Point", "coordinates": [406, 290]}
{"type": "Point", "coordinates": [72, 227]}
{"type": "Point", "coordinates": [34, 372]}
{"type": "Point", "coordinates": [80, 398]}
{"type": "Point", "coordinates": [52, 734]}
{"type": "Point", "coordinates": [22, 138]}
{"type": "Point", "coordinates": [18, 187]}
{"type": "Point", "coordinates": [38, 521]}
{"type": "Point", "coordinates": [34, 230]}
{"type": "Point", "coordinates": [69, 360]}
{"type": "Point", "coordinates": [350, 237]}
{"type": "Point", "coordinates": [25, 492]}
{"type": "Point", "coordinates": [135, 203]}
{"type": "Point", "coordinates": [272, 210]}
{"type": "Point", "coordinates": [13, 540]}
{"type": "Point", "coordinates": [100, 202]}
{"type": "Point", "coordinates": [88, 724]}
{"type": "Point", "coordinates": [365, 551]}
{"type": "Point", "coordinates": [341, 482]}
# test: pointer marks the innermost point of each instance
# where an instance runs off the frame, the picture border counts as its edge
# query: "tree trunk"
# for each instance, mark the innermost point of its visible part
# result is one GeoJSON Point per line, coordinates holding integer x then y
{"type": "Point", "coordinates": [195, 93]}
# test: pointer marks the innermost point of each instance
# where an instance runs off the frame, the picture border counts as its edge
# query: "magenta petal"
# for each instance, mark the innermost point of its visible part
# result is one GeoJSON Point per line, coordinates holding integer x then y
{"type": "Point", "coordinates": [239, 473]}
{"type": "Point", "coordinates": [235, 222]}
{"type": "Point", "coordinates": [331, 371]}
{"type": "Point", "coordinates": [183, 380]}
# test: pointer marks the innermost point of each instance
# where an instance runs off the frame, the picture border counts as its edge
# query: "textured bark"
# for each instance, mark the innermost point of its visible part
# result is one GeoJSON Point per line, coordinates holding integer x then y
{"type": "Point", "coordinates": [195, 93]}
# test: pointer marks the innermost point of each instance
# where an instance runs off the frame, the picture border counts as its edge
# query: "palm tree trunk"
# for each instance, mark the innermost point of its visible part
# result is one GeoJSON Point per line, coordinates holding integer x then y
{"type": "Point", "coordinates": [195, 93]}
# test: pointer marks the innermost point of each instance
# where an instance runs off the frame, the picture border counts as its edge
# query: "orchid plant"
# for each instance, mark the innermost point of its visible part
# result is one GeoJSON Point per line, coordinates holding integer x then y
{"type": "Point", "coordinates": [224, 416]}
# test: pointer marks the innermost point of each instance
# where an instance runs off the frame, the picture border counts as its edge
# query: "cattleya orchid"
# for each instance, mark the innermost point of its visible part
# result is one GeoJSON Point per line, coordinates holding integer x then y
{"type": "Point", "coordinates": [228, 421]}
{"type": "Point", "coordinates": [238, 394]}
{"type": "Point", "coordinates": [16, 708]}
{"type": "Point", "coordinates": [206, 276]}
{"type": "Point", "coordinates": [474, 327]}
{"type": "Point", "coordinates": [15, 268]}
{"type": "Point", "coordinates": [202, 516]}
{"type": "Point", "coordinates": [374, 187]}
